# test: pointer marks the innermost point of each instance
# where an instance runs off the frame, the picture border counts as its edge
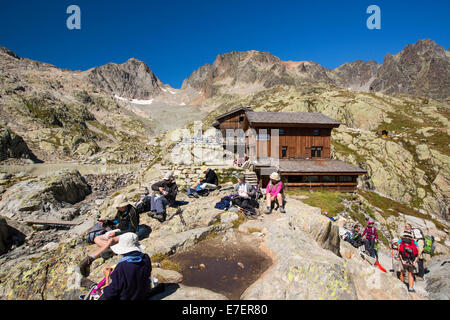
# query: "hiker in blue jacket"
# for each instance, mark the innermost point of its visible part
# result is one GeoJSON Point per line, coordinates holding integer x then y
{"type": "Point", "coordinates": [130, 279]}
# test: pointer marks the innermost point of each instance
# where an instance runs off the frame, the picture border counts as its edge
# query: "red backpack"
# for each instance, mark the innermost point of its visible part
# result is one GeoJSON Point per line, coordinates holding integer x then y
{"type": "Point", "coordinates": [408, 249]}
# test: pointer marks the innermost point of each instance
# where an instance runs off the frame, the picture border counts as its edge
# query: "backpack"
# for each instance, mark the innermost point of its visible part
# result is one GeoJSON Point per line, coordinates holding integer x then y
{"type": "Point", "coordinates": [429, 244]}
{"type": "Point", "coordinates": [97, 230]}
{"type": "Point", "coordinates": [420, 232]}
{"type": "Point", "coordinates": [143, 204]}
{"type": "Point", "coordinates": [258, 193]}
{"type": "Point", "coordinates": [408, 249]}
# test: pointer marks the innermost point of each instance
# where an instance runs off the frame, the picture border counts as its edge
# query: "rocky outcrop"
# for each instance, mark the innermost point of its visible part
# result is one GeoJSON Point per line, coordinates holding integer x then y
{"type": "Point", "coordinates": [132, 79]}
{"type": "Point", "coordinates": [35, 197]}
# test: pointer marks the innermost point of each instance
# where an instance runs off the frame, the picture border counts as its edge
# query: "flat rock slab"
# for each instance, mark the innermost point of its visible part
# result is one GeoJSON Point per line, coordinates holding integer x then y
{"type": "Point", "coordinates": [181, 292]}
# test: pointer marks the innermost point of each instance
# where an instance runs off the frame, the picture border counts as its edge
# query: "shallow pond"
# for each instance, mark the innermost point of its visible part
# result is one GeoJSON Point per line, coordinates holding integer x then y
{"type": "Point", "coordinates": [223, 267]}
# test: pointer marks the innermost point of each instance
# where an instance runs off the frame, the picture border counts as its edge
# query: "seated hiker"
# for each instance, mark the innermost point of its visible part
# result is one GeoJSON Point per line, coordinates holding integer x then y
{"type": "Point", "coordinates": [371, 238]}
{"type": "Point", "coordinates": [243, 196]}
{"type": "Point", "coordinates": [210, 182]}
{"type": "Point", "coordinates": [409, 254]}
{"type": "Point", "coordinates": [167, 190]}
{"type": "Point", "coordinates": [274, 193]}
{"type": "Point", "coordinates": [355, 238]}
{"type": "Point", "coordinates": [130, 279]}
{"type": "Point", "coordinates": [125, 221]}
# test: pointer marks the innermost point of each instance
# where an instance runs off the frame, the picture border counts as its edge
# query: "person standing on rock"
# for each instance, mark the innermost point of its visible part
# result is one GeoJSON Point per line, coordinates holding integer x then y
{"type": "Point", "coordinates": [371, 238]}
{"type": "Point", "coordinates": [210, 182]}
{"type": "Point", "coordinates": [126, 220]}
{"type": "Point", "coordinates": [243, 195]}
{"type": "Point", "coordinates": [167, 190]}
{"type": "Point", "coordinates": [130, 279]}
{"type": "Point", "coordinates": [419, 237]}
{"type": "Point", "coordinates": [274, 192]}
{"type": "Point", "coordinates": [409, 255]}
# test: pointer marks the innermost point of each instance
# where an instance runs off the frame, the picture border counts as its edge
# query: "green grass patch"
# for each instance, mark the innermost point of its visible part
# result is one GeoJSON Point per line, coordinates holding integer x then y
{"type": "Point", "coordinates": [327, 200]}
{"type": "Point", "coordinates": [391, 207]}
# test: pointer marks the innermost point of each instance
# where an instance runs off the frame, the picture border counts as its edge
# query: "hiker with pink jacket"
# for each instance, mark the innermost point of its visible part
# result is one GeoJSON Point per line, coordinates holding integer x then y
{"type": "Point", "coordinates": [371, 238]}
{"type": "Point", "coordinates": [274, 192]}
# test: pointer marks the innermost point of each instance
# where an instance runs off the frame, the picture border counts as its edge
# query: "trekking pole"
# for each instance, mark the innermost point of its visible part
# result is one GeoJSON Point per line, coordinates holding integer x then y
{"type": "Point", "coordinates": [180, 213]}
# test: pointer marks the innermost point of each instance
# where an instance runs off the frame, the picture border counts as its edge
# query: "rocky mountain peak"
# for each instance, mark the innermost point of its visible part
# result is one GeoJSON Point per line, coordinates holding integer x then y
{"type": "Point", "coordinates": [420, 69]}
{"type": "Point", "coordinates": [132, 79]}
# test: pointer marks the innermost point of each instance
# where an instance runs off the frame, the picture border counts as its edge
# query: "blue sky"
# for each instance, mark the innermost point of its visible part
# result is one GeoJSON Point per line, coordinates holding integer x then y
{"type": "Point", "coordinates": [175, 38]}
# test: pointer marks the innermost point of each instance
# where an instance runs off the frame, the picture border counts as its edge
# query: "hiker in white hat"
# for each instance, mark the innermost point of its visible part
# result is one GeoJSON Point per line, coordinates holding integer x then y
{"type": "Point", "coordinates": [166, 193]}
{"type": "Point", "coordinates": [209, 182]}
{"type": "Point", "coordinates": [274, 193]}
{"type": "Point", "coordinates": [130, 279]}
{"type": "Point", "coordinates": [126, 220]}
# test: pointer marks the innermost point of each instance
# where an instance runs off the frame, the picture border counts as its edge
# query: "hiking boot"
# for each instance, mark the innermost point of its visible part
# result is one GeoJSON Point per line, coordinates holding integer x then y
{"type": "Point", "coordinates": [282, 210]}
{"type": "Point", "coordinates": [268, 210]}
{"type": "Point", "coordinates": [151, 214]}
{"type": "Point", "coordinates": [87, 283]}
{"type": "Point", "coordinates": [85, 266]}
{"type": "Point", "coordinates": [160, 217]}
{"type": "Point", "coordinates": [108, 253]}
{"type": "Point", "coordinates": [411, 290]}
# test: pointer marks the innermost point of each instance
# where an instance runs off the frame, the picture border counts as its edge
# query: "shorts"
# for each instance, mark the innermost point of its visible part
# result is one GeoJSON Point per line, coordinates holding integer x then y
{"type": "Point", "coordinates": [410, 268]}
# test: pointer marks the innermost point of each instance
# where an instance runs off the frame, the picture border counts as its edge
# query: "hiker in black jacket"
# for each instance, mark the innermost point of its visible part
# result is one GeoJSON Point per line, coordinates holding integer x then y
{"type": "Point", "coordinates": [210, 182]}
{"type": "Point", "coordinates": [125, 221]}
{"type": "Point", "coordinates": [167, 190]}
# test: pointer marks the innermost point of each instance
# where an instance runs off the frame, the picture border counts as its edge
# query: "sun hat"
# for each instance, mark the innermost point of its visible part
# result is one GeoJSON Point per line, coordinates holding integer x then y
{"type": "Point", "coordinates": [204, 168]}
{"type": "Point", "coordinates": [168, 176]}
{"type": "Point", "coordinates": [121, 201]}
{"type": "Point", "coordinates": [370, 221]}
{"type": "Point", "coordinates": [241, 177]}
{"type": "Point", "coordinates": [275, 176]}
{"type": "Point", "coordinates": [128, 242]}
{"type": "Point", "coordinates": [407, 233]}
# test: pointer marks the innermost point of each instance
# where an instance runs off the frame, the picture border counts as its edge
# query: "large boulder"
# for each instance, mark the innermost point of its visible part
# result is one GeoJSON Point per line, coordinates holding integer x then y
{"type": "Point", "coordinates": [438, 279]}
{"type": "Point", "coordinates": [13, 146]}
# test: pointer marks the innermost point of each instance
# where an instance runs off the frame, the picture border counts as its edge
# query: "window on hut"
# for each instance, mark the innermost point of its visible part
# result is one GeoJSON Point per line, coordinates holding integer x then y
{"type": "Point", "coordinates": [284, 152]}
{"type": "Point", "coordinates": [347, 179]}
{"type": "Point", "coordinates": [328, 178]}
{"type": "Point", "coordinates": [312, 179]}
{"type": "Point", "coordinates": [316, 152]}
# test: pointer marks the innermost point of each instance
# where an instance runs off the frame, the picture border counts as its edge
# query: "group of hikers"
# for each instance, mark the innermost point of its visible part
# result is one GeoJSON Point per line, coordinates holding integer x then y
{"type": "Point", "coordinates": [407, 251]}
{"type": "Point", "coordinates": [130, 279]}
